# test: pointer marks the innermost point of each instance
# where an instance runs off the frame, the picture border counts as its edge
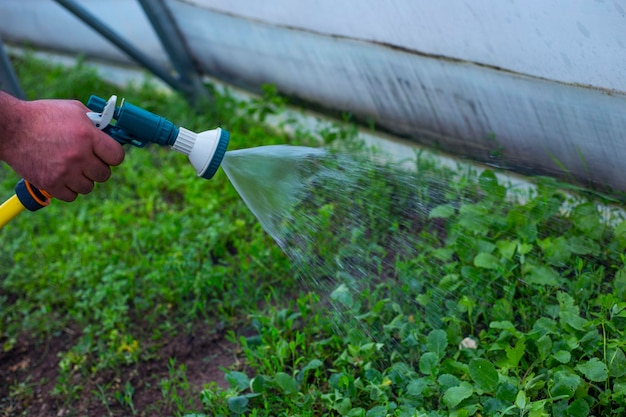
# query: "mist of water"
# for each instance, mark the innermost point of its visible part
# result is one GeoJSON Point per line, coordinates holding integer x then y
{"type": "Point", "coordinates": [347, 222]}
{"type": "Point", "coordinates": [401, 254]}
{"type": "Point", "coordinates": [272, 180]}
{"type": "Point", "coordinates": [354, 225]}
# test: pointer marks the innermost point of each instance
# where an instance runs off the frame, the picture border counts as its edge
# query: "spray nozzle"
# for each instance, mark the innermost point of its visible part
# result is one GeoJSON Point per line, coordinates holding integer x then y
{"type": "Point", "coordinates": [138, 127]}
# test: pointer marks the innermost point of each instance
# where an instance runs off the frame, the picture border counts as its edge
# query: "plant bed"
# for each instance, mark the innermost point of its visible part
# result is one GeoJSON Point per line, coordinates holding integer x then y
{"type": "Point", "coordinates": [395, 292]}
{"type": "Point", "coordinates": [446, 297]}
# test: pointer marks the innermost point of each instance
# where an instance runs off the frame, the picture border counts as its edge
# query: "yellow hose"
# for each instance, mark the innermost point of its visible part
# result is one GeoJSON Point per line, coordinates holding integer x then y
{"type": "Point", "coordinates": [9, 209]}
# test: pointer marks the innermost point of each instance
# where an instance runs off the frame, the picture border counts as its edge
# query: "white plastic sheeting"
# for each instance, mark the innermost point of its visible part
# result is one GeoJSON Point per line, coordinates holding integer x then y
{"type": "Point", "coordinates": [575, 41]}
{"type": "Point", "coordinates": [519, 83]}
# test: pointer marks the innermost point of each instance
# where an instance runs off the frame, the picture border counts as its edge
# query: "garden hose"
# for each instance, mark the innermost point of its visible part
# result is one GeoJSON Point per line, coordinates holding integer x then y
{"type": "Point", "coordinates": [27, 196]}
{"type": "Point", "coordinates": [129, 124]}
{"type": "Point", "coordinates": [9, 209]}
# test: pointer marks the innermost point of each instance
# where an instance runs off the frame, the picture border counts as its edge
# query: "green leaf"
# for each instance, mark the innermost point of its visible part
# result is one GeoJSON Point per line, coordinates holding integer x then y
{"type": "Point", "coordinates": [416, 387]}
{"type": "Point", "coordinates": [546, 326]}
{"type": "Point", "coordinates": [537, 409]}
{"type": "Point", "coordinates": [506, 392]}
{"type": "Point", "coordinates": [515, 353]}
{"type": "Point", "coordinates": [563, 356]}
{"type": "Point", "coordinates": [618, 310]}
{"type": "Point", "coordinates": [486, 260]}
{"type": "Point", "coordinates": [257, 384]}
{"type": "Point", "coordinates": [556, 251]}
{"type": "Point", "coordinates": [484, 374]}
{"type": "Point", "coordinates": [578, 408]}
{"type": "Point", "coordinates": [541, 275]}
{"type": "Point", "coordinates": [450, 282]}
{"type": "Point", "coordinates": [565, 383]}
{"type": "Point", "coordinates": [356, 412]}
{"type": "Point", "coordinates": [569, 313]}
{"type": "Point", "coordinates": [443, 211]}
{"type": "Point", "coordinates": [443, 254]}
{"type": "Point", "coordinates": [342, 295]}
{"type": "Point", "coordinates": [528, 232]}
{"type": "Point", "coordinates": [238, 404]}
{"type": "Point", "coordinates": [238, 380]}
{"type": "Point", "coordinates": [617, 362]}
{"type": "Point", "coordinates": [373, 375]}
{"type": "Point", "coordinates": [474, 218]}
{"type": "Point", "coordinates": [448, 381]}
{"type": "Point", "coordinates": [377, 411]}
{"type": "Point", "coordinates": [484, 245]}
{"type": "Point", "coordinates": [521, 400]}
{"type": "Point", "coordinates": [428, 363]}
{"type": "Point", "coordinates": [581, 245]}
{"type": "Point", "coordinates": [313, 364]}
{"type": "Point", "coordinates": [506, 326]}
{"type": "Point", "coordinates": [455, 395]}
{"type": "Point", "coordinates": [524, 248]}
{"type": "Point", "coordinates": [344, 406]}
{"type": "Point", "coordinates": [507, 248]}
{"type": "Point", "coordinates": [544, 346]}
{"type": "Point", "coordinates": [590, 341]}
{"type": "Point", "coordinates": [437, 342]}
{"type": "Point", "coordinates": [502, 309]}
{"type": "Point", "coordinates": [287, 383]}
{"type": "Point", "coordinates": [594, 370]}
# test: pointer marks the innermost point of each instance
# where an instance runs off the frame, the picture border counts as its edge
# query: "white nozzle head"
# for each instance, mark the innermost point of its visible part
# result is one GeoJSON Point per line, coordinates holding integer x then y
{"type": "Point", "coordinates": [205, 150]}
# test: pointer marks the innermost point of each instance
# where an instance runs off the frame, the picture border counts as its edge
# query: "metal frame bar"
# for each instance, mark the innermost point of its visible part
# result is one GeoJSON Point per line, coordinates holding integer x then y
{"type": "Point", "coordinates": [172, 40]}
{"type": "Point", "coordinates": [186, 82]}
{"type": "Point", "coordinates": [8, 78]}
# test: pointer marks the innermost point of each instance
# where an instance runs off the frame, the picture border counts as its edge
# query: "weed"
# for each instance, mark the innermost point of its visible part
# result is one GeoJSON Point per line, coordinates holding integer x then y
{"type": "Point", "coordinates": [175, 389]}
{"type": "Point", "coordinates": [101, 393]}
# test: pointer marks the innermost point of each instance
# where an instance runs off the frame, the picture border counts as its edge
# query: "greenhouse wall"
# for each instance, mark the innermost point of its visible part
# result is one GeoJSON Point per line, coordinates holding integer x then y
{"type": "Point", "coordinates": [523, 85]}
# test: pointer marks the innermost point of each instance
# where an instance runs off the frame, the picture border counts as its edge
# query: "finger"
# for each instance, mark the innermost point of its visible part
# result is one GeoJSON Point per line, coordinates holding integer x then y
{"type": "Point", "coordinates": [108, 150]}
{"type": "Point", "coordinates": [81, 185]}
{"type": "Point", "coordinates": [97, 172]}
{"type": "Point", "coordinates": [64, 194]}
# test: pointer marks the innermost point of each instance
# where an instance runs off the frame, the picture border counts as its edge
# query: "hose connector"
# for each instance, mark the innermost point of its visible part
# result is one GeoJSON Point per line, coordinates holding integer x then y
{"type": "Point", "coordinates": [31, 197]}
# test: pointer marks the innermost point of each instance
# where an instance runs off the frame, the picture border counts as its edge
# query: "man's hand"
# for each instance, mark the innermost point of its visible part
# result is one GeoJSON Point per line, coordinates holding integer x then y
{"type": "Point", "coordinates": [53, 145]}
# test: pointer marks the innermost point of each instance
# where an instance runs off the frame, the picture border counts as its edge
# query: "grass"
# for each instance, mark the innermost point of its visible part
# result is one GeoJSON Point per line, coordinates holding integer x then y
{"type": "Point", "coordinates": [470, 305]}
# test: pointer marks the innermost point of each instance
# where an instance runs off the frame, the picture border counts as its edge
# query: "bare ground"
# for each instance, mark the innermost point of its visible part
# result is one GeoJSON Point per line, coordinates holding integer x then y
{"type": "Point", "coordinates": [29, 372]}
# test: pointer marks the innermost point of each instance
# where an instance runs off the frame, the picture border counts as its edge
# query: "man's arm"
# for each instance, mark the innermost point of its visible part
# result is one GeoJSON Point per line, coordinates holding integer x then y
{"type": "Point", "coordinates": [53, 145]}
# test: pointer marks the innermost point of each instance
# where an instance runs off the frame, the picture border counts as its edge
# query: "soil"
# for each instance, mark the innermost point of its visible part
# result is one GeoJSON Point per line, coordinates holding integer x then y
{"type": "Point", "coordinates": [29, 373]}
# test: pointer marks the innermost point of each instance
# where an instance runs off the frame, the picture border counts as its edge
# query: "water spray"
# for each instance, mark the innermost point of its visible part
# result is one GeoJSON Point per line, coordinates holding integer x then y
{"type": "Point", "coordinates": [132, 125]}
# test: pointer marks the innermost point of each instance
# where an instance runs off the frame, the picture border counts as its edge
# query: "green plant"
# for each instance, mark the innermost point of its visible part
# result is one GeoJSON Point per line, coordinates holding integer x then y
{"type": "Point", "coordinates": [397, 292]}
{"type": "Point", "coordinates": [125, 397]}
{"type": "Point", "coordinates": [175, 389]}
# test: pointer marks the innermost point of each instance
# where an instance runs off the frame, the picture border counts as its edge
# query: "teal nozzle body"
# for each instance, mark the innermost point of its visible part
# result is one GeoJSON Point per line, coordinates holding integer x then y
{"type": "Point", "coordinates": [135, 125]}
